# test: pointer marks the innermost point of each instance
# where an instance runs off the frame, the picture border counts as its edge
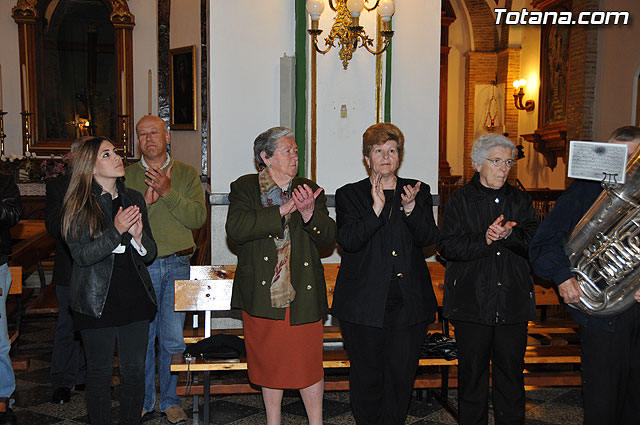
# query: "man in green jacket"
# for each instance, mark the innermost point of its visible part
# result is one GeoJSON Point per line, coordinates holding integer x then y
{"type": "Point", "coordinates": [175, 203]}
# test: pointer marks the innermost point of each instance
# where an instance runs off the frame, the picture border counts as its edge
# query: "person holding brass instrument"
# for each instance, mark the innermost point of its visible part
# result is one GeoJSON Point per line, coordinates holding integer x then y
{"type": "Point", "coordinates": [610, 345]}
{"type": "Point", "coordinates": [488, 292]}
{"type": "Point", "coordinates": [279, 222]}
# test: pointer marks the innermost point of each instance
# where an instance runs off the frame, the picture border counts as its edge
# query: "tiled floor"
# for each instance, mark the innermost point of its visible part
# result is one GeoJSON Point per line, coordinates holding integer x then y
{"type": "Point", "coordinates": [544, 406]}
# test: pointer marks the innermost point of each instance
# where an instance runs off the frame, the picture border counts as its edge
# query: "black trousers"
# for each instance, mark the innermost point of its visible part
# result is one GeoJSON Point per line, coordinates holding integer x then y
{"type": "Point", "coordinates": [504, 346]}
{"type": "Point", "coordinates": [611, 371]}
{"type": "Point", "coordinates": [383, 368]}
{"type": "Point", "coordinates": [68, 366]}
{"type": "Point", "coordinates": [132, 349]}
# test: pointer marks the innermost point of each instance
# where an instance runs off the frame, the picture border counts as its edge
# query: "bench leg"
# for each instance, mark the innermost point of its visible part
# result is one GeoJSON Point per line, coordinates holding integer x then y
{"type": "Point", "coordinates": [206, 396]}
{"type": "Point", "coordinates": [43, 280]}
{"type": "Point", "coordinates": [196, 399]}
{"type": "Point", "coordinates": [443, 395]}
{"type": "Point", "coordinates": [196, 411]}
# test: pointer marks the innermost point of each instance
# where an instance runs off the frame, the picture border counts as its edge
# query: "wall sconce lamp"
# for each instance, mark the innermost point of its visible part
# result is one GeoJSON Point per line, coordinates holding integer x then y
{"type": "Point", "coordinates": [346, 29]}
{"type": "Point", "coordinates": [518, 94]}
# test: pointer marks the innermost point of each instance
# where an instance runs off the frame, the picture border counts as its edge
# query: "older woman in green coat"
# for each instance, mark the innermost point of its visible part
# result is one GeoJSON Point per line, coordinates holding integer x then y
{"type": "Point", "coordinates": [279, 222]}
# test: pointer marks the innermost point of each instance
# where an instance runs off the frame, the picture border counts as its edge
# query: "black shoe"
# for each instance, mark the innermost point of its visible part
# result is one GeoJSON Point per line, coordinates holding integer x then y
{"type": "Point", "coordinates": [79, 387]}
{"type": "Point", "coordinates": [60, 396]}
{"type": "Point", "coordinates": [8, 418]}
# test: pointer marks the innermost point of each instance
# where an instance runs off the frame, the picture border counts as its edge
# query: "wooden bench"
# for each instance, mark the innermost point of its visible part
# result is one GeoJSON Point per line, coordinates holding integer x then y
{"type": "Point", "coordinates": [549, 342]}
{"type": "Point", "coordinates": [32, 245]}
{"type": "Point", "coordinates": [16, 290]}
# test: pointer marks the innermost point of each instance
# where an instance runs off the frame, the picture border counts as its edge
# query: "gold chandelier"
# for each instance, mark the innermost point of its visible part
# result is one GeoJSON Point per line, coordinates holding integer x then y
{"type": "Point", "coordinates": [347, 30]}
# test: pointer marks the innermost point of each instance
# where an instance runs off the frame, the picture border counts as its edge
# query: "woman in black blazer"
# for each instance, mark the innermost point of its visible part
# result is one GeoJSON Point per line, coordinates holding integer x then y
{"type": "Point", "coordinates": [383, 295]}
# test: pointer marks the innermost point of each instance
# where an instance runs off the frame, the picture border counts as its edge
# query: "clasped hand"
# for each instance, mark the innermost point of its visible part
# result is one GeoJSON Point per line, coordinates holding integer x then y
{"type": "Point", "coordinates": [158, 183]}
{"type": "Point", "coordinates": [129, 220]}
{"type": "Point", "coordinates": [497, 230]}
{"type": "Point", "coordinates": [302, 200]}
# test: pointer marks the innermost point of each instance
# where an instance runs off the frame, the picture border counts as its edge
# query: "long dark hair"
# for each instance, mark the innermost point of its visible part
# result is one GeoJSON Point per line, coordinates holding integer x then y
{"type": "Point", "coordinates": [81, 212]}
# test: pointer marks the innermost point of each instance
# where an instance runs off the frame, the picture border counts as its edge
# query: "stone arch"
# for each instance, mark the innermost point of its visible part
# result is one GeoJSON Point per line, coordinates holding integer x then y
{"type": "Point", "coordinates": [483, 26]}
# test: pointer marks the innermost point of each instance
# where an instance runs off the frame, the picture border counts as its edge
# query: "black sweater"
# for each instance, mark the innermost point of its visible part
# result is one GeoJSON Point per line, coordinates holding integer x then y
{"type": "Point", "coordinates": [548, 258]}
{"type": "Point", "coordinates": [487, 284]}
{"type": "Point", "coordinates": [377, 249]}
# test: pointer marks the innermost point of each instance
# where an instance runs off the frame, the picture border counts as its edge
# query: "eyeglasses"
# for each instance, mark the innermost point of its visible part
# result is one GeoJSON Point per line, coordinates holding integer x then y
{"type": "Point", "coordinates": [499, 161]}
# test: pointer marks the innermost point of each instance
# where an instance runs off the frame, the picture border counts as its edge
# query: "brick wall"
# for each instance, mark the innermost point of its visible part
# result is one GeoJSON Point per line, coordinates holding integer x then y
{"type": "Point", "coordinates": [583, 57]}
{"type": "Point", "coordinates": [492, 56]}
{"type": "Point", "coordinates": [485, 31]}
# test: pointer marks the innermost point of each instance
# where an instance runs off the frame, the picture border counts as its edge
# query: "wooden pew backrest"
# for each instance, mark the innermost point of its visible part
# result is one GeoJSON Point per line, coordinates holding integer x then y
{"type": "Point", "coordinates": [544, 296]}
{"type": "Point", "coordinates": [16, 280]}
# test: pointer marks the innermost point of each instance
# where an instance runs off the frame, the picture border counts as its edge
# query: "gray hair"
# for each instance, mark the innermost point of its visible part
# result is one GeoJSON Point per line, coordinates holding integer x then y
{"type": "Point", "coordinates": [483, 144]}
{"type": "Point", "coordinates": [267, 142]}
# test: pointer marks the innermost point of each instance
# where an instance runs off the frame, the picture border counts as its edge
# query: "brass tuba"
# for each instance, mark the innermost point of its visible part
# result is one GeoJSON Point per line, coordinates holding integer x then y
{"type": "Point", "coordinates": [604, 248]}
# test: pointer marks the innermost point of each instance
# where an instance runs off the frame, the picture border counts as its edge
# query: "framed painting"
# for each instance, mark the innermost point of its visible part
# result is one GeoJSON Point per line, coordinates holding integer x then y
{"type": "Point", "coordinates": [554, 72]}
{"type": "Point", "coordinates": [183, 88]}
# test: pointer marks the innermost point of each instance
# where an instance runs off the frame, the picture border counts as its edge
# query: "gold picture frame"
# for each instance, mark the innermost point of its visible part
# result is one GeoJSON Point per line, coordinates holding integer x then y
{"type": "Point", "coordinates": [183, 88]}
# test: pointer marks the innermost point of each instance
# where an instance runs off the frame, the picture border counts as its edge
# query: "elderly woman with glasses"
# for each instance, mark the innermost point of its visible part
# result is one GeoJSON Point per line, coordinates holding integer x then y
{"type": "Point", "coordinates": [489, 295]}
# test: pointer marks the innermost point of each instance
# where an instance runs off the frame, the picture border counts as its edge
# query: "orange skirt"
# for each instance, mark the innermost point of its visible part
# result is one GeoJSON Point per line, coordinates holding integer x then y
{"type": "Point", "coordinates": [280, 355]}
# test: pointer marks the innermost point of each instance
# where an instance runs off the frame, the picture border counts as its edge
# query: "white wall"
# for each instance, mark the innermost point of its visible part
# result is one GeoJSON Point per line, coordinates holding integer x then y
{"type": "Point", "coordinates": [145, 58]}
{"type": "Point", "coordinates": [339, 145]}
{"type": "Point", "coordinates": [244, 63]}
{"type": "Point", "coordinates": [10, 63]}
{"type": "Point", "coordinates": [414, 97]}
{"type": "Point", "coordinates": [416, 85]}
{"type": "Point", "coordinates": [245, 94]}
{"type": "Point", "coordinates": [247, 40]}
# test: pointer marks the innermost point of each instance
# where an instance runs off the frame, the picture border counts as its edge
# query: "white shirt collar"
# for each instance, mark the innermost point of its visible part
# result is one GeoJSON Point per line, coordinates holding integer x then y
{"type": "Point", "coordinates": [145, 165]}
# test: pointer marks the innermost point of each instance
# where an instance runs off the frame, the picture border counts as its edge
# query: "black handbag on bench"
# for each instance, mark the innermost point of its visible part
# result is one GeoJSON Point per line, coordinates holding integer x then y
{"type": "Point", "coordinates": [439, 346]}
{"type": "Point", "coordinates": [218, 347]}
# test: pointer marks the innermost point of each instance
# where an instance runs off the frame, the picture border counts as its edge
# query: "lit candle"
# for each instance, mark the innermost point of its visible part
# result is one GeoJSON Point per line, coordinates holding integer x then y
{"type": "Point", "coordinates": [25, 88]}
{"type": "Point", "coordinates": [123, 82]}
{"type": "Point", "coordinates": [148, 91]}
{"type": "Point", "coordinates": [0, 88]}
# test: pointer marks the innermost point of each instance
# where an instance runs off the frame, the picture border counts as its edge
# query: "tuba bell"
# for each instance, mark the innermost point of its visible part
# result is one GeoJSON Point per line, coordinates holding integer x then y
{"type": "Point", "coordinates": [604, 248]}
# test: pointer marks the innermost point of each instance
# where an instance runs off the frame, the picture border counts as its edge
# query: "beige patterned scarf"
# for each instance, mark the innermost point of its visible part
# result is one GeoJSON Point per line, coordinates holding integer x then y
{"type": "Point", "coordinates": [282, 292]}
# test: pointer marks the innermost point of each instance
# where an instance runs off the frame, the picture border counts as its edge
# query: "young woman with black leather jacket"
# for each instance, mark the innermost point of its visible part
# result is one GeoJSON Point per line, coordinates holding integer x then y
{"type": "Point", "coordinates": [111, 294]}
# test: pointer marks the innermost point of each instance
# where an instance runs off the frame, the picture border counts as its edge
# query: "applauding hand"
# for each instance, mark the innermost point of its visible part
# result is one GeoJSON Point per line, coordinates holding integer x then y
{"type": "Point", "coordinates": [304, 199]}
{"type": "Point", "coordinates": [409, 197]}
{"type": "Point", "coordinates": [499, 231]}
{"type": "Point", "coordinates": [124, 219]}
{"type": "Point", "coordinates": [377, 193]}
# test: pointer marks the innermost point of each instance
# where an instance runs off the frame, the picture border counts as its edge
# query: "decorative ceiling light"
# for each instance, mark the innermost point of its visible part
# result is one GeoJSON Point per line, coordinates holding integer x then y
{"type": "Point", "coordinates": [347, 30]}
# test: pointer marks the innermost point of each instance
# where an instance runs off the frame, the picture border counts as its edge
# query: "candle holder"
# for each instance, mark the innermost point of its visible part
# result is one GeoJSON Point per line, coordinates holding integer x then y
{"type": "Point", "coordinates": [26, 129]}
{"type": "Point", "coordinates": [124, 119]}
{"type": "Point", "coordinates": [2, 135]}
